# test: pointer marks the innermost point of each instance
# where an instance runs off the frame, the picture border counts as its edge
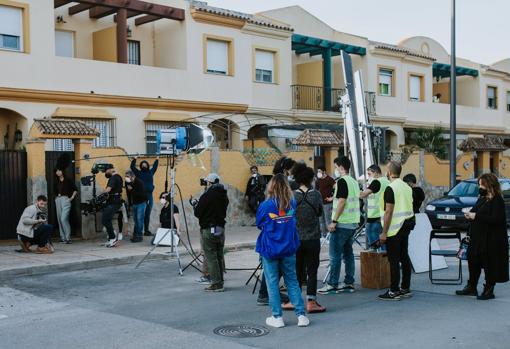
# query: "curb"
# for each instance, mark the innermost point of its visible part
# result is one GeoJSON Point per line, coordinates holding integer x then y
{"type": "Point", "coordinates": [102, 263]}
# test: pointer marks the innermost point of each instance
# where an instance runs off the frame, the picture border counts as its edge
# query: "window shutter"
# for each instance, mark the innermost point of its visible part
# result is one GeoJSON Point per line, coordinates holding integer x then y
{"type": "Point", "coordinates": [264, 60]}
{"type": "Point", "coordinates": [491, 92]}
{"type": "Point", "coordinates": [415, 88]}
{"type": "Point", "coordinates": [217, 56]}
{"type": "Point", "coordinates": [64, 43]}
{"type": "Point", "coordinates": [11, 22]}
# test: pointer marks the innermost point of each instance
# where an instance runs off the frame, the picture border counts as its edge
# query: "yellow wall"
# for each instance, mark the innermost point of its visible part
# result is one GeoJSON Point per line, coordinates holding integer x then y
{"type": "Point", "coordinates": [443, 89]}
{"type": "Point", "coordinates": [12, 119]}
{"type": "Point", "coordinates": [105, 44]}
{"type": "Point", "coordinates": [484, 162]}
{"type": "Point", "coordinates": [234, 169]}
{"type": "Point", "coordinates": [35, 158]}
{"type": "Point", "coordinates": [304, 155]}
{"type": "Point", "coordinates": [310, 74]}
{"type": "Point", "coordinates": [436, 171]}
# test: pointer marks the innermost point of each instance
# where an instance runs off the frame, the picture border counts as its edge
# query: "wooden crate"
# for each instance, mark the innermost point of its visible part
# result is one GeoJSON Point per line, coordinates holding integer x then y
{"type": "Point", "coordinates": [375, 270]}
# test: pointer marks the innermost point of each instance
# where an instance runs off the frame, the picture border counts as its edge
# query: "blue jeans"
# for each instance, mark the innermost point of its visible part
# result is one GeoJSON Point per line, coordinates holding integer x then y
{"type": "Point", "coordinates": [340, 245]}
{"type": "Point", "coordinates": [287, 267]}
{"type": "Point", "coordinates": [373, 230]}
{"type": "Point", "coordinates": [148, 210]}
{"type": "Point", "coordinates": [138, 217]}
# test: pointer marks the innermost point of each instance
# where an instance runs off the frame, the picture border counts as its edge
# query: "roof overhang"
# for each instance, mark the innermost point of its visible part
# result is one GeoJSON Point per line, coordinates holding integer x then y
{"type": "Point", "coordinates": [314, 46]}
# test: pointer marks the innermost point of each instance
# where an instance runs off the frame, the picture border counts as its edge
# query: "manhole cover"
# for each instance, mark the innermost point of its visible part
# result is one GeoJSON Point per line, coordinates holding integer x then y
{"type": "Point", "coordinates": [241, 331]}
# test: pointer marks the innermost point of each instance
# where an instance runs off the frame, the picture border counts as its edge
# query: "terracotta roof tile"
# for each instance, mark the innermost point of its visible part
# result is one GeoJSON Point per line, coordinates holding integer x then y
{"type": "Point", "coordinates": [488, 143]}
{"type": "Point", "coordinates": [319, 137]}
{"type": "Point", "coordinates": [400, 49]}
{"type": "Point", "coordinates": [65, 127]}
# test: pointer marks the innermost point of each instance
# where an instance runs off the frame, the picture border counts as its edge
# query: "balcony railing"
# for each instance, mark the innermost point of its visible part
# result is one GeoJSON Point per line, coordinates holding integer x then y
{"type": "Point", "coordinates": [314, 97]}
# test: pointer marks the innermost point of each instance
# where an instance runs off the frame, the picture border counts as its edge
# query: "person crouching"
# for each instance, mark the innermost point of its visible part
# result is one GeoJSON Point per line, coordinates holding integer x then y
{"type": "Point", "coordinates": [33, 227]}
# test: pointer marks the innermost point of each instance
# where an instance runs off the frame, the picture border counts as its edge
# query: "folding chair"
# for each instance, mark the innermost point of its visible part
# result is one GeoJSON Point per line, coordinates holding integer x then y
{"type": "Point", "coordinates": [444, 234]}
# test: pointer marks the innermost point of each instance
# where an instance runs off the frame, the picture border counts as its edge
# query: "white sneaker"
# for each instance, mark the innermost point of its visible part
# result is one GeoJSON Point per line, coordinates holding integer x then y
{"type": "Point", "coordinates": [327, 289]}
{"type": "Point", "coordinates": [120, 236]}
{"type": "Point", "coordinates": [276, 321]}
{"type": "Point", "coordinates": [303, 321]}
{"type": "Point", "coordinates": [112, 243]}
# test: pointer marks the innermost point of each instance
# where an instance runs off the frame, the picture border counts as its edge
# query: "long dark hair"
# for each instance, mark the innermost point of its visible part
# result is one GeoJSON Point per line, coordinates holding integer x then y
{"type": "Point", "coordinates": [279, 190]}
{"type": "Point", "coordinates": [491, 182]}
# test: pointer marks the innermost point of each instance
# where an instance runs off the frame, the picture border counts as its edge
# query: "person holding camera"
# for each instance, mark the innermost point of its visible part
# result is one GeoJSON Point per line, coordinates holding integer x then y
{"type": "Point", "coordinates": [33, 227]}
{"type": "Point", "coordinates": [255, 189]}
{"type": "Point", "coordinates": [138, 196]}
{"type": "Point", "coordinates": [211, 210]}
{"type": "Point", "coordinates": [114, 190]}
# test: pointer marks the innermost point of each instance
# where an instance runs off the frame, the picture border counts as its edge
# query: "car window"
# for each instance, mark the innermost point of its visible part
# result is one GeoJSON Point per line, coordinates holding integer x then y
{"type": "Point", "coordinates": [505, 188]}
{"type": "Point", "coordinates": [465, 189]}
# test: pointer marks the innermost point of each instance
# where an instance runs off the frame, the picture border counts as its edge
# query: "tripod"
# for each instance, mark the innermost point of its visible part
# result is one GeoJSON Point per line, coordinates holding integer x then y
{"type": "Point", "coordinates": [174, 250]}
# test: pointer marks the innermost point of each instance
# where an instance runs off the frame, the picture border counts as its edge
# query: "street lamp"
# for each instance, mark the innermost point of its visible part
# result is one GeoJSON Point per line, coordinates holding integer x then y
{"type": "Point", "coordinates": [453, 104]}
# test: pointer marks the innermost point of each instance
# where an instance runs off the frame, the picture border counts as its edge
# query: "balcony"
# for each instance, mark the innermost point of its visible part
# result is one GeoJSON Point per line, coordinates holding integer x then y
{"type": "Point", "coordinates": [313, 97]}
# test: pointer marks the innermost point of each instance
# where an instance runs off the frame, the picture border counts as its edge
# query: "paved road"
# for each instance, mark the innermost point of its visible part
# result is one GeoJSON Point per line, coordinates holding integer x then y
{"type": "Point", "coordinates": [152, 307]}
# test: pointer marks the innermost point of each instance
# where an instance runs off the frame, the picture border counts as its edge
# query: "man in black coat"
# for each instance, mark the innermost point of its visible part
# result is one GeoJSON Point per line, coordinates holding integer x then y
{"type": "Point", "coordinates": [255, 189]}
{"type": "Point", "coordinates": [211, 211]}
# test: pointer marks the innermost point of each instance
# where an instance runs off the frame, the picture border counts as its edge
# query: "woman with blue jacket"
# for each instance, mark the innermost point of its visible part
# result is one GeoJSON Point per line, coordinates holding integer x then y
{"type": "Point", "coordinates": [277, 244]}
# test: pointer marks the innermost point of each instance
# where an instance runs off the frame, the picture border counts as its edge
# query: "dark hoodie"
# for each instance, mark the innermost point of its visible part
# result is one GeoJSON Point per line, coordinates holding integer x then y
{"type": "Point", "coordinates": [147, 175]}
{"type": "Point", "coordinates": [211, 209]}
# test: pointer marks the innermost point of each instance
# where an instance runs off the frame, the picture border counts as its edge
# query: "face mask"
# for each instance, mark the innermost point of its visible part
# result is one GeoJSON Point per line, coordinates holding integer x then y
{"type": "Point", "coordinates": [108, 175]}
{"type": "Point", "coordinates": [483, 192]}
{"type": "Point", "coordinates": [128, 180]}
{"type": "Point", "coordinates": [319, 175]}
{"type": "Point", "coordinates": [254, 175]}
{"type": "Point", "coordinates": [163, 201]}
{"type": "Point", "coordinates": [290, 178]}
{"type": "Point", "coordinates": [337, 173]}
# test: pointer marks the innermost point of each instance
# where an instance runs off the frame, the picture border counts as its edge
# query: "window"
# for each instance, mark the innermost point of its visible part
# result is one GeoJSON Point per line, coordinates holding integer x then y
{"type": "Point", "coordinates": [218, 55]}
{"type": "Point", "coordinates": [106, 139]}
{"type": "Point", "coordinates": [11, 28]}
{"type": "Point", "coordinates": [508, 101]}
{"type": "Point", "coordinates": [415, 88]}
{"type": "Point", "coordinates": [264, 66]}
{"type": "Point", "coordinates": [386, 82]}
{"type": "Point", "coordinates": [492, 97]}
{"type": "Point", "coordinates": [151, 130]}
{"type": "Point", "coordinates": [64, 43]}
{"type": "Point", "coordinates": [134, 52]}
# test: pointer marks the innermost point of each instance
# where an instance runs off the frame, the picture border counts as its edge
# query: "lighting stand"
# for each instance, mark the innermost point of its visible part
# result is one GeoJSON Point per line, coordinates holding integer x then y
{"type": "Point", "coordinates": [174, 250]}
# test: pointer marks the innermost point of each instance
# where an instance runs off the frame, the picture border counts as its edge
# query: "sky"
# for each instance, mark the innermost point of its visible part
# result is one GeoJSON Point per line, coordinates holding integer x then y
{"type": "Point", "coordinates": [483, 27]}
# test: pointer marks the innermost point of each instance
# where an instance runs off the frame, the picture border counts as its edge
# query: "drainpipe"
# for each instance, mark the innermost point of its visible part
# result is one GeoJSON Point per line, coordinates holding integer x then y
{"type": "Point", "coordinates": [326, 69]}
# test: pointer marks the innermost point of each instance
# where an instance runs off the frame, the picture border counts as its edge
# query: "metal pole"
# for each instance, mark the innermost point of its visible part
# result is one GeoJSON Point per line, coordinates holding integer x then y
{"type": "Point", "coordinates": [453, 104]}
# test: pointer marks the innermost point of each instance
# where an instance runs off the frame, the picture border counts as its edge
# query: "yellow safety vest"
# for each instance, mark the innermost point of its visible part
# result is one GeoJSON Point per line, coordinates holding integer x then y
{"type": "Point", "coordinates": [351, 213]}
{"type": "Point", "coordinates": [403, 208]}
{"type": "Point", "coordinates": [374, 199]}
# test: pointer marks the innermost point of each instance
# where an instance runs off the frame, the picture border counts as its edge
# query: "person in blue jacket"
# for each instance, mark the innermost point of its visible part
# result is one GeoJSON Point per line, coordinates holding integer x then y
{"type": "Point", "coordinates": [277, 244]}
{"type": "Point", "coordinates": [146, 174]}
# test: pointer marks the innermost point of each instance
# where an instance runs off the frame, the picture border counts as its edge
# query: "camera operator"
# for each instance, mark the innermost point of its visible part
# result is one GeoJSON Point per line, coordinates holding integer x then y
{"type": "Point", "coordinates": [211, 211]}
{"type": "Point", "coordinates": [255, 189]}
{"type": "Point", "coordinates": [138, 195]}
{"type": "Point", "coordinates": [114, 190]}
{"type": "Point", "coordinates": [33, 228]}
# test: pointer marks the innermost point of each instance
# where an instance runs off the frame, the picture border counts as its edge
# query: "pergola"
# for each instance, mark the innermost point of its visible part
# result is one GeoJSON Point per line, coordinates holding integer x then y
{"type": "Point", "coordinates": [145, 12]}
{"type": "Point", "coordinates": [441, 70]}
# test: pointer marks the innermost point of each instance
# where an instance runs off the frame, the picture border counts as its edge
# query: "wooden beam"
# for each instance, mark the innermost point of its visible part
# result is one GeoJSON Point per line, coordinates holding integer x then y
{"type": "Point", "coordinates": [59, 3]}
{"type": "Point", "coordinates": [122, 40]}
{"type": "Point", "coordinates": [129, 15]}
{"type": "Point", "coordinates": [146, 19]}
{"type": "Point", "coordinates": [142, 7]}
{"type": "Point", "coordinates": [101, 11]}
{"type": "Point", "coordinates": [79, 8]}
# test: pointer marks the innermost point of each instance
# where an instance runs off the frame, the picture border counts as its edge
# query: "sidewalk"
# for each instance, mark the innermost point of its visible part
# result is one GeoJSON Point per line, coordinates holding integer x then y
{"type": "Point", "coordinates": [85, 254]}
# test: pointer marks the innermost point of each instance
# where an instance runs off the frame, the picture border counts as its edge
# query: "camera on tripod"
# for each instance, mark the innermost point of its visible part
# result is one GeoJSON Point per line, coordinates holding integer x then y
{"type": "Point", "coordinates": [98, 202]}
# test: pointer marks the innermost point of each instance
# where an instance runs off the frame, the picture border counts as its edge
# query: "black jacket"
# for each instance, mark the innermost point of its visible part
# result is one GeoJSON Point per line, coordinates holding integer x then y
{"type": "Point", "coordinates": [211, 208]}
{"type": "Point", "coordinates": [136, 191]}
{"type": "Point", "coordinates": [489, 238]}
{"type": "Point", "coordinates": [255, 186]}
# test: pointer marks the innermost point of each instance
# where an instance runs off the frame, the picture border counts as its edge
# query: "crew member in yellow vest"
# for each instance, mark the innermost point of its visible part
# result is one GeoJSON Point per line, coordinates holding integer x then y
{"type": "Point", "coordinates": [374, 192]}
{"type": "Point", "coordinates": [345, 219]}
{"type": "Point", "coordinates": [397, 221]}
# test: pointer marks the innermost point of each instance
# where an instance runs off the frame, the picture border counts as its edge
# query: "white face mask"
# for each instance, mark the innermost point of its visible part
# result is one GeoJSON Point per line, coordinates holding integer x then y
{"type": "Point", "coordinates": [337, 173]}
{"type": "Point", "coordinates": [128, 180]}
{"type": "Point", "coordinates": [163, 201]}
{"type": "Point", "coordinates": [254, 175]}
{"type": "Point", "coordinates": [319, 175]}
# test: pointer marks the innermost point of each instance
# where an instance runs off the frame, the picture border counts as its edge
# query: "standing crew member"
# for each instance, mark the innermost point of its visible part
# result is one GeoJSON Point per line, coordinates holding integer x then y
{"type": "Point", "coordinates": [255, 189]}
{"type": "Point", "coordinates": [398, 221]}
{"type": "Point", "coordinates": [418, 193]}
{"type": "Point", "coordinates": [138, 195]}
{"type": "Point", "coordinates": [146, 174]}
{"type": "Point", "coordinates": [211, 211]}
{"type": "Point", "coordinates": [114, 190]}
{"type": "Point", "coordinates": [325, 185]}
{"type": "Point", "coordinates": [374, 192]}
{"type": "Point", "coordinates": [345, 219]}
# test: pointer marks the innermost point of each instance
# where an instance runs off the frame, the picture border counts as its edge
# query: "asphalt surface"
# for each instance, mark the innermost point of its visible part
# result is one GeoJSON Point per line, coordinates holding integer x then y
{"type": "Point", "coordinates": [153, 307]}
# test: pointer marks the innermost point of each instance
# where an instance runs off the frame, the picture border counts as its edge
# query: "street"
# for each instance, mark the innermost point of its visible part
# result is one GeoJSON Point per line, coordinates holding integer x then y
{"type": "Point", "coordinates": [153, 307]}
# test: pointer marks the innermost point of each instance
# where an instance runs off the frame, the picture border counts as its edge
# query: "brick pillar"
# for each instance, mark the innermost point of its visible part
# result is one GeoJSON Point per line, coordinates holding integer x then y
{"type": "Point", "coordinates": [82, 150]}
{"type": "Point", "coordinates": [36, 169]}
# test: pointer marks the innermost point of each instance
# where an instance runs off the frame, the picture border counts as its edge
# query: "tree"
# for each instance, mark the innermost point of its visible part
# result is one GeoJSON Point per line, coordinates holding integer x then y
{"type": "Point", "coordinates": [431, 140]}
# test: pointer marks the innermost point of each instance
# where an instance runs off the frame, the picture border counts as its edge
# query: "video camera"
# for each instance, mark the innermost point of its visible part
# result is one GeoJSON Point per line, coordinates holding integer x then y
{"type": "Point", "coordinates": [100, 167]}
{"type": "Point", "coordinates": [96, 204]}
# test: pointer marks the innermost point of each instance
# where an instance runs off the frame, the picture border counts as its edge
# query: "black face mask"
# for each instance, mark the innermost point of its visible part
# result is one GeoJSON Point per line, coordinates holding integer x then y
{"type": "Point", "coordinates": [145, 168]}
{"type": "Point", "coordinates": [108, 175]}
{"type": "Point", "coordinates": [483, 192]}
